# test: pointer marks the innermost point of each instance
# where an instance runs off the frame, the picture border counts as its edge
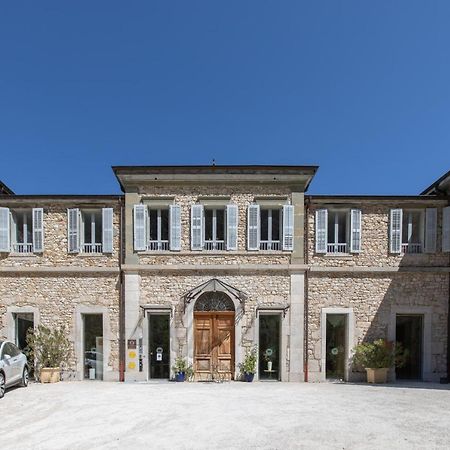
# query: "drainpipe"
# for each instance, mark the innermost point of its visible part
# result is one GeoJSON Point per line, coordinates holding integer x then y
{"type": "Point", "coordinates": [305, 250]}
{"type": "Point", "coordinates": [121, 296]}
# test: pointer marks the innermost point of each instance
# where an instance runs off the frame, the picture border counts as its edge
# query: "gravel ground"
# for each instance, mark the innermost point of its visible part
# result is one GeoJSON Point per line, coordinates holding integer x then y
{"type": "Point", "coordinates": [88, 415]}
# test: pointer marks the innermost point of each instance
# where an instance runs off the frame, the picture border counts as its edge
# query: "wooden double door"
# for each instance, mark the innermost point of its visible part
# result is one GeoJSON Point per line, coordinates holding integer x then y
{"type": "Point", "coordinates": [214, 345]}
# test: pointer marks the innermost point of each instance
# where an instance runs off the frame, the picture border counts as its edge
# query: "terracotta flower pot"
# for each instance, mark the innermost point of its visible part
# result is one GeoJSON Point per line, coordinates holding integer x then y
{"type": "Point", "coordinates": [50, 374]}
{"type": "Point", "coordinates": [377, 375]}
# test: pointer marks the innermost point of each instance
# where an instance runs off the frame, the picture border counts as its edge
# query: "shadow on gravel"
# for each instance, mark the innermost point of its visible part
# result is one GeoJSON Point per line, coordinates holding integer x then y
{"type": "Point", "coordinates": [407, 385]}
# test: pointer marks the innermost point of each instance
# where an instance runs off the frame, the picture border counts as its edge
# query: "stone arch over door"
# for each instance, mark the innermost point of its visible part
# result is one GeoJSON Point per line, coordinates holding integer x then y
{"type": "Point", "coordinates": [216, 291]}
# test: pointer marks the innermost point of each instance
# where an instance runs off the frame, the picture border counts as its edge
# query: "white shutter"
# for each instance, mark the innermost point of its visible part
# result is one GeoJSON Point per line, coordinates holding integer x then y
{"type": "Point", "coordinates": [140, 228]}
{"type": "Point", "coordinates": [73, 230]}
{"type": "Point", "coordinates": [288, 227]}
{"type": "Point", "coordinates": [396, 230]}
{"type": "Point", "coordinates": [5, 244]}
{"type": "Point", "coordinates": [355, 230]}
{"type": "Point", "coordinates": [175, 227]}
{"type": "Point", "coordinates": [196, 227]}
{"type": "Point", "coordinates": [446, 229]}
{"type": "Point", "coordinates": [321, 230]}
{"type": "Point", "coordinates": [430, 230]}
{"type": "Point", "coordinates": [232, 226]}
{"type": "Point", "coordinates": [38, 230]}
{"type": "Point", "coordinates": [253, 228]}
{"type": "Point", "coordinates": [107, 230]}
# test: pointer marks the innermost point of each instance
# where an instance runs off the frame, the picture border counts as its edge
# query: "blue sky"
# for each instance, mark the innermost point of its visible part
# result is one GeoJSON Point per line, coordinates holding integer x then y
{"type": "Point", "coordinates": [360, 88]}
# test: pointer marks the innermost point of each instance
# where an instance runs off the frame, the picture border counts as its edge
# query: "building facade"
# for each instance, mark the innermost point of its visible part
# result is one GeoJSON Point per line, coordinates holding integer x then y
{"type": "Point", "coordinates": [206, 262]}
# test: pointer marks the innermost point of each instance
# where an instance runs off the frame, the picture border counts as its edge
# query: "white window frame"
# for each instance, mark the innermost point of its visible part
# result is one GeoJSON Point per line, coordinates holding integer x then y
{"type": "Point", "coordinates": [214, 244]}
{"type": "Point", "coordinates": [158, 244]}
{"type": "Point", "coordinates": [24, 247]}
{"type": "Point", "coordinates": [413, 247]}
{"type": "Point", "coordinates": [91, 248]}
{"type": "Point", "coordinates": [334, 247]}
{"type": "Point", "coordinates": [271, 243]}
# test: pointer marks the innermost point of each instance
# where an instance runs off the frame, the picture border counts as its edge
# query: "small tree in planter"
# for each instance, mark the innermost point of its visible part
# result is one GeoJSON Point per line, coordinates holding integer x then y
{"type": "Point", "coordinates": [182, 369]}
{"type": "Point", "coordinates": [248, 366]}
{"type": "Point", "coordinates": [378, 357]}
{"type": "Point", "coordinates": [48, 348]}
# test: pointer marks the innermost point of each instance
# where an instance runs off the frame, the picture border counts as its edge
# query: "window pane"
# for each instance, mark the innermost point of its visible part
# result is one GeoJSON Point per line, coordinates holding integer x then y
{"type": "Point", "coordinates": [342, 223]}
{"type": "Point", "coordinates": [87, 228]}
{"type": "Point", "coordinates": [275, 224]}
{"type": "Point", "coordinates": [264, 224]}
{"type": "Point", "coordinates": [98, 227]}
{"type": "Point", "coordinates": [19, 228]}
{"type": "Point", "coordinates": [220, 231]}
{"type": "Point", "coordinates": [208, 224]}
{"type": "Point", "coordinates": [153, 224]}
{"type": "Point", "coordinates": [331, 216]}
{"type": "Point", "coordinates": [165, 224]}
{"type": "Point", "coordinates": [416, 222]}
{"type": "Point", "coordinates": [29, 219]}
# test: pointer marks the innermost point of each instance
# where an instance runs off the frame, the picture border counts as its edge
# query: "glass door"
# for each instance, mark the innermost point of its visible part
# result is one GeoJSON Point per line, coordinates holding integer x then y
{"type": "Point", "coordinates": [159, 345]}
{"type": "Point", "coordinates": [409, 334]}
{"type": "Point", "coordinates": [336, 346]}
{"type": "Point", "coordinates": [93, 346]}
{"type": "Point", "coordinates": [269, 346]}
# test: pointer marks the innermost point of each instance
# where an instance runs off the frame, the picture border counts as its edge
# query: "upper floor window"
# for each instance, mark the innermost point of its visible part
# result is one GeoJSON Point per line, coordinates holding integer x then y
{"type": "Point", "coordinates": [270, 228]}
{"type": "Point", "coordinates": [22, 230]}
{"type": "Point", "coordinates": [90, 230]}
{"type": "Point", "coordinates": [157, 228]}
{"type": "Point", "coordinates": [413, 230]}
{"type": "Point", "coordinates": [338, 231]}
{"type": "Point", "coordinates": [214, 228]}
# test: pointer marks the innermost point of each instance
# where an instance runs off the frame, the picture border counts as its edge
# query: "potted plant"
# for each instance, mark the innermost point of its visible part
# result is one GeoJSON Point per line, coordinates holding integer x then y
{"type": "Point", "coordinates": [248, 366]}
{"type": "Point", "coordinates": [182, 369]}
{"type": "Point", "coordinates": [378, 357]}
{"type": "Point", "coordinates": [48, 348]}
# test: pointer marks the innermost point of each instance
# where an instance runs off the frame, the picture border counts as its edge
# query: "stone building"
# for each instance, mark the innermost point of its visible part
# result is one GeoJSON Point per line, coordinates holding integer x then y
{"type": "Point", "coordinates": [205, 262]}
{"type": "Point", "coordinates": [59, 266]}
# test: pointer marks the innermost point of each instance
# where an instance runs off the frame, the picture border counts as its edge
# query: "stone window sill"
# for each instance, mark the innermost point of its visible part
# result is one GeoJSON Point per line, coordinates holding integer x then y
{"type": "Point", "coordinates": [215, 253]}
{"type": "Point", "coordinates": [93, 255]}
{"type": "Point", "coordinates": [24, 255]}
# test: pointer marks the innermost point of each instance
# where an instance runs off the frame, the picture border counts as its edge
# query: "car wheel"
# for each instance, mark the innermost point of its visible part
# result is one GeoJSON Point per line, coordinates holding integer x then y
{"type": "Point", "coordinates": [2, 385]}
{"type": "Point", "coordinates": [24, 380]}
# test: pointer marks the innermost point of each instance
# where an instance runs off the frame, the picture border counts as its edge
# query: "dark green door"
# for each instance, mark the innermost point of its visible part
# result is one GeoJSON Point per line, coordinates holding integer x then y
{"type": "Point", "coordinates": [159, 345]}
{"type": "Point", "coordinates": [336, 344]}
{"type": "Point", "coordinates": [409, 334]}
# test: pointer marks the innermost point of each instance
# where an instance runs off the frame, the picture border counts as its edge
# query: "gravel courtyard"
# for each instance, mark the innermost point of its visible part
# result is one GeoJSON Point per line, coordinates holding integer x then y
{"type": "Point", "coordinates": [88, 415]}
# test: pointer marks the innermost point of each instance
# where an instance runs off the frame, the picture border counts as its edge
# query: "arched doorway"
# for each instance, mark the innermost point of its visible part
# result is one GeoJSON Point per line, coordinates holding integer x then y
{"type": "Point", "coordinates": [214, 316]}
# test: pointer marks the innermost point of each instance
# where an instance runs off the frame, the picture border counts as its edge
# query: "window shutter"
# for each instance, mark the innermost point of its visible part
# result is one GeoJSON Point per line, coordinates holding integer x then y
{"type": "Point", "coordinates": [196, 227]}
{"type": "Point", "coordinates": [38, 230]}
{"type": "Point", "coordinates": [321, 230]}
{"type": "Point", "coordinates": [73, 230]}
{"type": "Point", "coordinates": [140, 229]}
{"type": "Point", "coordinates": [446, 229]}
{"type": "Point", "coordinates": [232, 226]}
{"type": "Point", "coordinates": [355, 230]}
{"type": "Point", "coordinates": [288, 227]}
{"type": "Point", "coordinates": [107, 230]}
{"type": "Point", "coordinates": [5, 244]}
{"type": "Point", "coordinates": [396, 230]}
{"type": "Point", "coordinates": [253, 228]}
{"type": "Point", "coordinates": [175, 227]}
{"type": "Point", "coordinates": [430, 230]}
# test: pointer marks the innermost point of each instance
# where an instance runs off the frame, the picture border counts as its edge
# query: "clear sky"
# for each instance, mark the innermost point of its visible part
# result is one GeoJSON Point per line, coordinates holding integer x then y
{"type": "Point", "coordinates": [360, 88]}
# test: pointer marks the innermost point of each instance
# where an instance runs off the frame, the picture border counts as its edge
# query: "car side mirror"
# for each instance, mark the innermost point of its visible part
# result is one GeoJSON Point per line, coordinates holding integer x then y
{"type": "Point", "coordinates": [6, 357]}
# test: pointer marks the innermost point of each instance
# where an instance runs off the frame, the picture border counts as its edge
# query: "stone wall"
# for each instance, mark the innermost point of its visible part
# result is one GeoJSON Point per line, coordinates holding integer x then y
{"type": "Point", "coordinates": [58, 297]}
{"type": "Point", "coordinates": [55, 241]}
{"type": "Point", "coordinates": [374, 298]}
{"type": "Point", "coordinates": [375, 238]}
{"type": "Point", "coordinates": [186, 196]}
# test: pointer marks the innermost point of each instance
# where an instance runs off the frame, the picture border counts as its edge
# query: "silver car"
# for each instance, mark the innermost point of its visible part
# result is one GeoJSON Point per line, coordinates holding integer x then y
{"type": "Point", "coordinates": [13, 367]}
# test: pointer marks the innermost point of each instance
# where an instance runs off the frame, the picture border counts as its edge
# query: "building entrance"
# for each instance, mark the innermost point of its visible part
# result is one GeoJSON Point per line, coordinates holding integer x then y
{"type": "Point", "coordinates": [214, 337]}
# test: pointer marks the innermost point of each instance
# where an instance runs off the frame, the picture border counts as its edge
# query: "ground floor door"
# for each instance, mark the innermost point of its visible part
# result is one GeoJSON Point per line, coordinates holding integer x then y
{"type": "Point", "coordinates": [269, 346]}
{"type": "Point", "coordinates": [159, 345]}
{"type": "Point", "coordinates": [23, 323]}
{"type": "Point", "coordinates": [409, 332]}
{"type": "Point", "coordinates": [336, 346]}
{"type": "Point", "coordinates": [93, 346]}
{"type": "Point", "coordinates": [213, 345]}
